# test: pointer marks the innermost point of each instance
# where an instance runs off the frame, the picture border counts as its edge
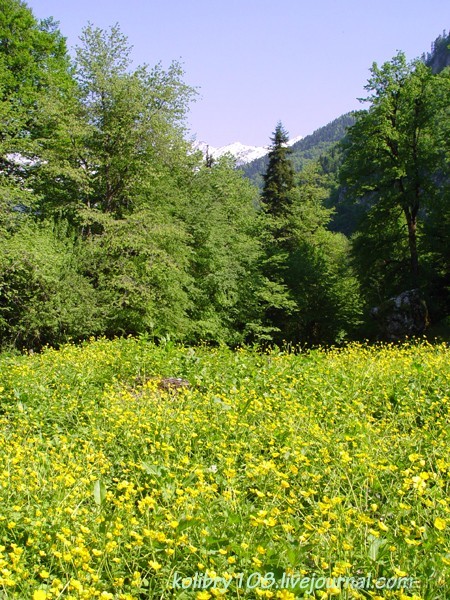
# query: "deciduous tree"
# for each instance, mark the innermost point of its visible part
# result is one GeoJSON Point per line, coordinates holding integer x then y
{"type": "Point", "coordinates": [33, 66]}
{"type": "Point", "coordinates": [390, 166]}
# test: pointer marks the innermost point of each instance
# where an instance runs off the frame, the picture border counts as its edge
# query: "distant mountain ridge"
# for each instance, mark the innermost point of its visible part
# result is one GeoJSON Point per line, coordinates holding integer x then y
{"type": "Point", "coordinates": [439, 57]}
{"type": "Point", "coordinates": [308, 148]}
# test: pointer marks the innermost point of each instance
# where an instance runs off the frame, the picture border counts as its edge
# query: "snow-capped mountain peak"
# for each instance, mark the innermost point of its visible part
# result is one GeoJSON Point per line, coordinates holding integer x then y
{"type": "Point", "coordinates": [294, 140]}
{"type": "Point", "coordinates": [242, 153]}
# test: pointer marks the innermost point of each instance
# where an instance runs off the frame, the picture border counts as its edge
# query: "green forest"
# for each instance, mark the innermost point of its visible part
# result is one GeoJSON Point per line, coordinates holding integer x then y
{"type": "Point", "coordinates": [111, 225]}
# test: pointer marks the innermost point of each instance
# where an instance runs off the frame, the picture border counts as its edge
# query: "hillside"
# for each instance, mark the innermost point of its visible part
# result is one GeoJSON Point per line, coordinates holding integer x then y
{"type": "Point", "coordinates": [439, 57]}
{"type": "Point", "coordinates": [309, 148]}
{"type": "Point", "coordinates": [320, 142]}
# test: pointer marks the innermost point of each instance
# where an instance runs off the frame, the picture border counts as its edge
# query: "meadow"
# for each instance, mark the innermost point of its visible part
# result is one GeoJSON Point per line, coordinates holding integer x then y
{"type": "Point", "coordinates": [272, 476]}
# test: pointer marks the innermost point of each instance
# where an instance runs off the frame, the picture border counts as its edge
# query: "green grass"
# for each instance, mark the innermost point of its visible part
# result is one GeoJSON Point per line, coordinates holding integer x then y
{"type": "Point", "coordinates": [321, 464]}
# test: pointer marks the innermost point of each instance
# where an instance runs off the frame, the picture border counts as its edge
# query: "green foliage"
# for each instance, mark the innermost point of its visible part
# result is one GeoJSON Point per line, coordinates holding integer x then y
{"type": "Point", "coordinates": [33, 67]}
{"type": "Point", "coordinates": [320, 275]}
{"type": "Point", "coordinates": [436, 226]}
{"type": "Point", "coordinates": [111, 225]}
{"type": "Point", "coordinates": [315, 296]}
{"type": "Point", "coordinates": [380, 254]}
{"type": "Point", "coordinates": [32, 56]}
{"type": "Point", "coordinates": [138, 267]}
{"type": "Point", "coordinates": [222, 222]}
{"type": "Point", "coordinates": [328, 303]}
{"type": "Point", "coordinates": [392, 166]}
{"type": "Point", "coordinates": [43, 297]}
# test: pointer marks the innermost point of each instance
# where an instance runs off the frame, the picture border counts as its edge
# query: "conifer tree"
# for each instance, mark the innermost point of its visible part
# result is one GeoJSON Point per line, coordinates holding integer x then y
{"type": "Point", "coordinates": [310, 295]}
{"type": "Point", "coordinates": [277, 239]}
{"type": "Point", "coordinates": [279, 177]}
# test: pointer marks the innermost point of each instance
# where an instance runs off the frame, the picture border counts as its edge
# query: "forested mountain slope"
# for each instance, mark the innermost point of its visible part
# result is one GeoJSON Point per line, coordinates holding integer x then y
{"type": "Point", "coordinates": [309, 148]}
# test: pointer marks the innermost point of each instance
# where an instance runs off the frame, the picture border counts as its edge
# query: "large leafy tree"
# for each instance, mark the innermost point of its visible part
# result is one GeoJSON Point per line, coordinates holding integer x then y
{"type": "Point", "coordinates": [43, 297]}
{"type": "Point", "coordinates": [390, 167]}
{"type": "Point", "coordinates": [221, 218]}
{"type": "Point", "coordinates": [120, 135]}
{"type": "Point", "coordinates": [34, 66]}
{"type": "Point", "coordinates": [137, 167]}
{"type": "Point", "coordinates": [135, 120]}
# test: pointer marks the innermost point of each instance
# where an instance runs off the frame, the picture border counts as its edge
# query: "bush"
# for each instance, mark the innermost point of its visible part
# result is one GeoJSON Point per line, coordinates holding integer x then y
{"type": "Point", "coordinates": [43, 298]}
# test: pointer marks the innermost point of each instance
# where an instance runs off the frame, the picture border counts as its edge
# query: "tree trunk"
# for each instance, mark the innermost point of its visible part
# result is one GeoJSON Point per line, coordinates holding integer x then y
{"type": "Point", "coordinates": [412, 241]}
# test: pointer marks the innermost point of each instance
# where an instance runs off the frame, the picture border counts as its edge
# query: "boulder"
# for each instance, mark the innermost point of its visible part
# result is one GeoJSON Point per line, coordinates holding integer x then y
{"type": "Point", "coordinates": [405, 315]}
{"type": "Point", "coordinates": [173, 383]}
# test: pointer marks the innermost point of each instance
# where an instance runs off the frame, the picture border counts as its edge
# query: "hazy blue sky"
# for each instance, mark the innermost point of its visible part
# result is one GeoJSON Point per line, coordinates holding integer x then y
{"type": "Point", "coordinates": [259, 61]}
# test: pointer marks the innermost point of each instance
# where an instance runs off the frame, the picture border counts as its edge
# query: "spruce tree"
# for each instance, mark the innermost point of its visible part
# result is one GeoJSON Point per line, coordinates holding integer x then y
{"type": "Point", "coordinates": [277, 239]}
{"type": "Point", "coordinates": [311, 295]}
{"type": "Point", "coordinates": [279, 177]}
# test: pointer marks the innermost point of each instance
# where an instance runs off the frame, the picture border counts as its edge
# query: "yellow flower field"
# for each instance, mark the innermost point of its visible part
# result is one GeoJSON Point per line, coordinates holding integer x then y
{"type": "Point", "coordinates": [274, 475]}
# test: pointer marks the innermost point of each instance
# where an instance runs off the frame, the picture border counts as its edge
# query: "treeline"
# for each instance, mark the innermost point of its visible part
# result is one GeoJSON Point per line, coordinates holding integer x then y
{"type": "Point", "coordinates": [439, 57]}
{"type": "Point", "coordinates": [111, 225]}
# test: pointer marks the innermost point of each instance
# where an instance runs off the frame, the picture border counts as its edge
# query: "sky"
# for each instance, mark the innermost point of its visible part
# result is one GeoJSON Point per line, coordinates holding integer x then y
{"type": "Point", "coordinates": [257, 62]}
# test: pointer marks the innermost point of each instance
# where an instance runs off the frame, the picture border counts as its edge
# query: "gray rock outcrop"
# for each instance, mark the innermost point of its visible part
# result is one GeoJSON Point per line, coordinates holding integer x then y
{"type": "Point", "coordinates": [405, 315]}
